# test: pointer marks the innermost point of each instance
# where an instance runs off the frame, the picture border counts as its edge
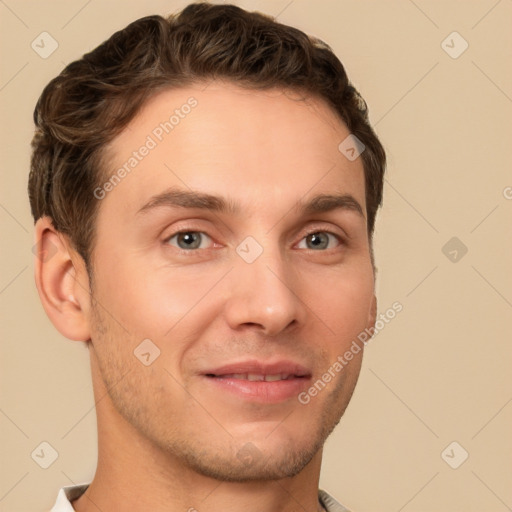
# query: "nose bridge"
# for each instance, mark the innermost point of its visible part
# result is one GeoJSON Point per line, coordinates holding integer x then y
{"type": "Point", "coordinates": [262, 289]}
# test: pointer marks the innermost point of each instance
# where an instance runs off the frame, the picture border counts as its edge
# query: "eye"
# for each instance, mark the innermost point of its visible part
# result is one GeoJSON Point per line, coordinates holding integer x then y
{"type": "Point", "coordinates": [187, 240]}
{"type": "Point", "coordinates": [319, 240]}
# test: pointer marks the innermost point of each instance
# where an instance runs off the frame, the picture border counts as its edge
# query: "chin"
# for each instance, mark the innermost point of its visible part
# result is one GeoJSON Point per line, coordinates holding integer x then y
{"type": "Point", "coordinates": [251, 462]}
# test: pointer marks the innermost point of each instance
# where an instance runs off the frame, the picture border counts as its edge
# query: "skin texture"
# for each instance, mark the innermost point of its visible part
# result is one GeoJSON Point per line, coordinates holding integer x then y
{"type": "Point", "coordinates": [168, 439]}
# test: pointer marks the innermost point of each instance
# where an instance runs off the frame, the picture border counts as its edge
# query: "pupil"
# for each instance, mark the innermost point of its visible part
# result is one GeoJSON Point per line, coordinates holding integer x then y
{"type": "Point", "coordinates": [316, 240]}
{"type": "Point", "coordinates": [190, 239]}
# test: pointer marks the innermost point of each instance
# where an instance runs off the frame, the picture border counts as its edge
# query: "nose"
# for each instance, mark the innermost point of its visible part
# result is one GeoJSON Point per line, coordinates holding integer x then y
{"type": "Point", "coordinates": [264, 295]}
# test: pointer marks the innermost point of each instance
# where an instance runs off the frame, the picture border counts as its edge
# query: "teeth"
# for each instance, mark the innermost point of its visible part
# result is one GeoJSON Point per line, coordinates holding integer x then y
{"type": "Point", "coordinates": [272, 378]}
{"type": "Point", "coordinates": [255, 377]}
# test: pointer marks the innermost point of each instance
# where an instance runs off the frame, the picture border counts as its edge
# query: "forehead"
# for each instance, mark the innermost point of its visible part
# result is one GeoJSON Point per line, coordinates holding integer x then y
{"type": "Point", "coordinates": [263, 147]}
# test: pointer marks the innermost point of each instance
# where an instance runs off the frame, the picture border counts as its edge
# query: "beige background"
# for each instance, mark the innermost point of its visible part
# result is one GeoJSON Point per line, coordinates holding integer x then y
{"type": "Point", "coordinates": [439, 372]}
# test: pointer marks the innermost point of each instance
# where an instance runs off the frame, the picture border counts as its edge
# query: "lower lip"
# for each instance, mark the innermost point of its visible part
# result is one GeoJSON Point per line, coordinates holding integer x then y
{"type": "Point", "coordinates": [261, 391]}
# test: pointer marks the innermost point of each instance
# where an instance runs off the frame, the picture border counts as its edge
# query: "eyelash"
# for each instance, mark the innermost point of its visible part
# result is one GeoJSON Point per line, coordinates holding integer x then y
{"type": "Point", "coordinates": [341, 240]}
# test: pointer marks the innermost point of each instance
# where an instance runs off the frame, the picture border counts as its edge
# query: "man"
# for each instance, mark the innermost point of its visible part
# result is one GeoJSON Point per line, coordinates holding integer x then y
{"type": "Point", "coordinates": [205, 189]}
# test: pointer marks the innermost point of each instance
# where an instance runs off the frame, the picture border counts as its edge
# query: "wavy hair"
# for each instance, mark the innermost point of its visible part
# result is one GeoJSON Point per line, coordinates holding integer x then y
{"type": "Point", "coordinates": [90, 102]}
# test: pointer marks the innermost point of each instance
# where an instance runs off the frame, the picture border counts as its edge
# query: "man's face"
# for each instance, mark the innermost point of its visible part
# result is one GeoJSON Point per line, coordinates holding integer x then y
{"type": "Point", "coordinates": [265, 289]}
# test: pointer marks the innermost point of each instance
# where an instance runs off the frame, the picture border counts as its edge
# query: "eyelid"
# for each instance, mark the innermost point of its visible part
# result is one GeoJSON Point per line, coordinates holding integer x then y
{"type": "Point", "coordinates": [186, 226]}
{"type": "Point", "coordinates": [342, 236]}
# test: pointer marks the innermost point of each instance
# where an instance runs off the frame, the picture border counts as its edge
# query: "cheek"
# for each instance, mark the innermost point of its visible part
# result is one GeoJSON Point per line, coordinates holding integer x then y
{"type": "Point", "coordinates": [344, 307]}
{"type": "Point", "coordinates": [156, 303]}
{"type": "Point", "coordinates": [344, 300]}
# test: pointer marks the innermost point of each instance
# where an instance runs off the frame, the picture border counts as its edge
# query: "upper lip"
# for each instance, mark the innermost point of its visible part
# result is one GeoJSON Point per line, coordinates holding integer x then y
{"type": "Point", "coordinates": [261, 368]}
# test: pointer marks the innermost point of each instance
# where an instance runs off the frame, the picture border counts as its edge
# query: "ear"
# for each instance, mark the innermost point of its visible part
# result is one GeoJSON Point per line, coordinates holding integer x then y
{"type": "Point", "coordinates": [62, 281]}
{"type": "Point", "coordinates": [372, 314]}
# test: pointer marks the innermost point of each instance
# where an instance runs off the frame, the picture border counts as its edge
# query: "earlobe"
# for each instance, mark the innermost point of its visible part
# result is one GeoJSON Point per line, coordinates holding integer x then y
{"type": "Point", "coordinates": [61, 281]}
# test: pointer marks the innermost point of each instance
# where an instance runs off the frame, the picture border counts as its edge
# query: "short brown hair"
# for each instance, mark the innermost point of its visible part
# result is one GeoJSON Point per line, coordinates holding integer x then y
{"type": "Point", "coordinates": [94, 98]}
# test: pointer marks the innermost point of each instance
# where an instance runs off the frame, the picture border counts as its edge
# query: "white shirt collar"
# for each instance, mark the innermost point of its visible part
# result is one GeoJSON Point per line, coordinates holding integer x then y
{"type": "Point", "coordinates": [72, 492]}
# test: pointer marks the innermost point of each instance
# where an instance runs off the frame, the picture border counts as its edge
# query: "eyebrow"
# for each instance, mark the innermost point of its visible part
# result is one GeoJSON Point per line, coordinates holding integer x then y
{"type": "Point", "coordinates": [179, 198]}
